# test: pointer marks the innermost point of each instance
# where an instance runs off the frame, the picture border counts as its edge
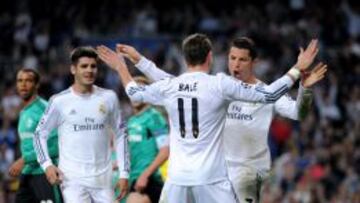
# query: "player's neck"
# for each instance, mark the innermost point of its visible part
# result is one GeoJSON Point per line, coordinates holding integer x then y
{"type": "Point", "coordinates": [251, 80]}
{"type": "Point", "coordinates": [198, 68]}
{"type": "Point", "coordinates": [26, 102]}
{"type": "Point", "coordinates": [82, 89]}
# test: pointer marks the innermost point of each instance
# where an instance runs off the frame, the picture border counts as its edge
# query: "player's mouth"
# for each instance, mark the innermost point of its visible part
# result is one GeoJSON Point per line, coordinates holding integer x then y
{"type": "Point", "coordinates": [23, 91]}
{"type": "Point", "coordinates": [89, 77]}
{"type": "Point", "coordinates": [237, 74]}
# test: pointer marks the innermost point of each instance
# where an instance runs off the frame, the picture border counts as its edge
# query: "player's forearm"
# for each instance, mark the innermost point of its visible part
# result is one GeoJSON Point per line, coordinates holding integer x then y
{"type": "Point", "coordinates": [303, 102]}
{"type": "Point", "coordinates": [150, 70]}
{"type": "Point", "coordinates": [41, 148]}
{"type": "Point", "coordinates": [276, 89]}
{"type": "Point", "coordinates": [161, 157]}
{"type": "Point", "coordinates": [31, 158]}
{"type": "Point", "coordinates": [124, 75]}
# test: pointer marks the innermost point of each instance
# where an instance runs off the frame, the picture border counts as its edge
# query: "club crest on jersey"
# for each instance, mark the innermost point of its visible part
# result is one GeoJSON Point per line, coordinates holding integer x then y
{"type": "Point", "coordinates": [102, 109]}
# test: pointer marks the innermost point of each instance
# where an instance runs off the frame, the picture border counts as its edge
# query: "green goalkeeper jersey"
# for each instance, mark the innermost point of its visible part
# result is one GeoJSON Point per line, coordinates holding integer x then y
{"type": "Point", "coordinates": [148, 132]}
{"type": "Point", "coordinates": [28, 121]}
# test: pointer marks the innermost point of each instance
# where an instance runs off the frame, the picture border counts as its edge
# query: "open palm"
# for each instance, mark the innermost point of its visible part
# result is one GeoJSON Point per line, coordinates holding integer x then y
{"type": "Point", "coordinates": [307, 56]}
{"type": "Point", "coordinates": [315, 75]}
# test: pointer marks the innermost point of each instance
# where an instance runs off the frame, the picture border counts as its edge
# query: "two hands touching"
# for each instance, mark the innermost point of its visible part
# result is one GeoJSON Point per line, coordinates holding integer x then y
{"type": "Point", "coordinates": [115, 60]}
{"type": "Point", "coordinates": [305, 59]}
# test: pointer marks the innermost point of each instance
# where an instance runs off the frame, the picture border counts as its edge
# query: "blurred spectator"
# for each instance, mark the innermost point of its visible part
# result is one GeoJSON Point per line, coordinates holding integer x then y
{"type": "Point", "coordinates": [326, 101]}
{"type": "Point", "coordinates": [10, 104]}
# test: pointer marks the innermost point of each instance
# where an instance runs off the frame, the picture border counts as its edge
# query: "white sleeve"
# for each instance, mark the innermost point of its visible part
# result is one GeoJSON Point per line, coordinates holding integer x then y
{"type": "Point", "coordinates": [232, 89]}
{"type": "Point", "coordinates": [290, 108]}
{"type": "Point", "coordinates": [49, 121]}
{"type": "Point", "coordinates": [150, 70]}
{"type": "Point", "coordinates": [286, 107]}
{"type": "Point", "coordinates": [146, 93]}
{"type": "Point", "coordinates": [120, 139]}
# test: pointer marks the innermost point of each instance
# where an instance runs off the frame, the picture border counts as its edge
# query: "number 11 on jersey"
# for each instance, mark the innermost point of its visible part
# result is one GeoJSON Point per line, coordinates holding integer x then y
{"type": "Point", "coordinates": [194, 117]}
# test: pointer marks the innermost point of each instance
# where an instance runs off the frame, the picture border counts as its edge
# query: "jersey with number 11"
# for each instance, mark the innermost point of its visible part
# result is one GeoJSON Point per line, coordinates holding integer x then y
{"type": "Point", "coordinates": [196, 103]}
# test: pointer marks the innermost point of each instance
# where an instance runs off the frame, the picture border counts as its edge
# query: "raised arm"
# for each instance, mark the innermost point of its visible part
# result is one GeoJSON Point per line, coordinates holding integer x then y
{"type": "Point", "coordinates": [272, 92]}
{"type": "Point", "coordinates": [116, 62]}
{"type": "Point", "coordinates": [147, 94]}
{"type": "Point", "coordinates": [232, 89]}
{"type": "Point", "coordinates": [305, 59]}
{"type": "Point", "coordinates": [299, 109]}
{"type": "Point", "coordinates": [146, 66]}
{"type": "Point", "coordinates": [304, 98]}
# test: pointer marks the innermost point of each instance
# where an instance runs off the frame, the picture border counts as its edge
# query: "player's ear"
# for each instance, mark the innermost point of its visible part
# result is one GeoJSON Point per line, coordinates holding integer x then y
{"type": "Point", "coordinates": [72, 69]}
{"type": "Point", "coordinates": [209, 57]}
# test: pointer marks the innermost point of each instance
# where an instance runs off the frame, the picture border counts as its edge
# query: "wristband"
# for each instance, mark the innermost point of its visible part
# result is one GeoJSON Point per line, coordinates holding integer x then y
{"type": "Point", "coordinates": [294, 73]}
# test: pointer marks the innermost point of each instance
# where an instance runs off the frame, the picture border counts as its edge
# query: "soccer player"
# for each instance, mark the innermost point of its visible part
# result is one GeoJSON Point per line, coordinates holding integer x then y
{"type": "Point", "coordinates": [33, 187]}
{"type": "Point", "coordinates": [247, 124]}
{"type": "Point", "coordinates": [249, 161]}
{"type": "Point", "coordinates": [196, 103]}
{"type": "Point", "coordinates": [149, 148]}
{"type": "Point", "coordinates": [84, 115]}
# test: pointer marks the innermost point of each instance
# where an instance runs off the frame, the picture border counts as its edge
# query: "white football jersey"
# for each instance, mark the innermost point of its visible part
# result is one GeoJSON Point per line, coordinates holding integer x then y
{"type": "Point", "coordinates": [247, 123]}
{"type": "Point", "coordinates": [247, 127]}
{"type": "Point", "coordinates": [84, 124]}
{"type": "Point", "coordinates": [196, 103]}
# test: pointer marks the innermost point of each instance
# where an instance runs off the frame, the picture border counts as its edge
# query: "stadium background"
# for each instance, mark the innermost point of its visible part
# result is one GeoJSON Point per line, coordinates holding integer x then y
{"type": "Point", "coordinates": [317, 160]}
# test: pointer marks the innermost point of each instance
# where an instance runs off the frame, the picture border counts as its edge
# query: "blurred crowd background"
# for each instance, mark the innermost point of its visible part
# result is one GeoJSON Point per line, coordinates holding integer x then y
{"type": "Point", "coordinates": [317, 160]}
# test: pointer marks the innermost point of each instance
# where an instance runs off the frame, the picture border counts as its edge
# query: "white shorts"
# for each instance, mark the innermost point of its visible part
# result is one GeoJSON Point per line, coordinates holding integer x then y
{"type": "Point", "coordinates": [218, 192]}
{"type": "Point", "coordinates": [247, 182]}
{"type": "Point", "coordinates": [75, 193]}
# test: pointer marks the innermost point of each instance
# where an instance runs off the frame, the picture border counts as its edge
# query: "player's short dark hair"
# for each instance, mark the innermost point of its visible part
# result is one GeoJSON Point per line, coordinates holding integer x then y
{"type": "Point", "coordinates": [33, 71]}
{"type": "Point", "coordinates": [196, 48]}
{"type": "Point", "coordinates": [83, 51]}
{"type": "Point", "coordinates": [245, 43]}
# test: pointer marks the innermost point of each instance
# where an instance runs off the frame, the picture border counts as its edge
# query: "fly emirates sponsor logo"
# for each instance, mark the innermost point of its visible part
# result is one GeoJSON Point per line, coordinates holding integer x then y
{"type": "Point", "coordinates": [235, 113]}
{"type": "Point", "coordinates": [89, 125]}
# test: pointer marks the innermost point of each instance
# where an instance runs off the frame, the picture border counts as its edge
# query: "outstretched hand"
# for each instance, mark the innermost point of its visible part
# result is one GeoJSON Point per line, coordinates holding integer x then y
{"type": "Point", "coordinates": [111, 58]}
{"type": "Point", "coordinates": [318, 73]}
{"type": "Point", "coordinates": [129, 52]}
{"type": "Point", "coordinates": [307, 56]}
{"type": "Point", "coordinates": [116, 61]}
